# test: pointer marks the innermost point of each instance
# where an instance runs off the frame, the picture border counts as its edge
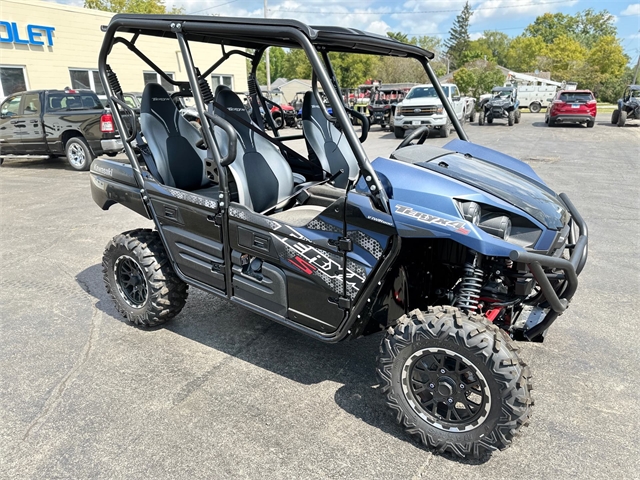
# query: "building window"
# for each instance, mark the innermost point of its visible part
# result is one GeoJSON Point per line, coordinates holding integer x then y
{"type": "Point", "coordinates": [12, 80]}
{"type": "Point", "coordinates": [221, 80]}
{"type": "Point", "coordinates": [86, 79]}
{"type": "Point", "coordinates": [153, 77]}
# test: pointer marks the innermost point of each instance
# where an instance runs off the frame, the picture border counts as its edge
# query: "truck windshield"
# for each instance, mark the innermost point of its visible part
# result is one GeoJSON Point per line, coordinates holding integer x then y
{"type": "Point", "coordinates": [422, 92]}
{"type": "Point", "coordinates": [73, 101]}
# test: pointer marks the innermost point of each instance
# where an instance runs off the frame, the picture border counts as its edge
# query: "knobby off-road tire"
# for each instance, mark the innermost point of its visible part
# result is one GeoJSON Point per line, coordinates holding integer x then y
{"type": "Point", "coordinates": [518, 114]}
{"type": "Point", "coordinates": [426, 359]}
{"type": "Point", "coordinates": [511, 118]}
{"type": "Point", "coordinates": [472, 115]}
{"type": "Point", "coordinates": [138, 275]}
{"type": "Point", "coordinates": [614, 116]}
{"type": "Point", "coordinates": [622, 119]}
{"type": "Point", "coordinates": [481, 118]}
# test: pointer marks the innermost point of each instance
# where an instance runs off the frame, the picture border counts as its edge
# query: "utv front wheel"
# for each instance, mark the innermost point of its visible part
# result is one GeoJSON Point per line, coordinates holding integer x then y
{"type": "Point", "coordinates": [622, 119]}
{"type": "Point", "coordinates": [139, 277]}
{"type": "Point", "coordinates": [481, 119]}
{"type": "Point", "coordinates": [454, 381]}
{"type": "Point", "coordinates": [614, 116]}
{"type": "Point", "coordinates": [511, 118]}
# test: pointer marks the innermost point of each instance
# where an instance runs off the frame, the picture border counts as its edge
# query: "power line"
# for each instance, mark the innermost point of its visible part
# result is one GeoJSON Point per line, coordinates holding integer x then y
{"type": "Point", "coordinates": [214, 6]}
{"type": "Point", "coordinates": [418, 11]}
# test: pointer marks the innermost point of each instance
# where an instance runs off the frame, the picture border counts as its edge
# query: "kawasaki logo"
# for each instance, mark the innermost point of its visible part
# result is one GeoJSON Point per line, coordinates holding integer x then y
{"type": "Point", "coordinates": [104, 171]}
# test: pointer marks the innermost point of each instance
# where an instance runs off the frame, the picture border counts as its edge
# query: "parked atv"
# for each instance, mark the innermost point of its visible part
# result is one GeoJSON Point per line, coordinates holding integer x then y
{"type": "Point", "coordinates": [450, 253]}
{"type": "Point", "coordinates": [503, 103]}
{"type": "Point", "coordinates": [628, 106]}
{"type": "Point", "coordinates": [382, 107]}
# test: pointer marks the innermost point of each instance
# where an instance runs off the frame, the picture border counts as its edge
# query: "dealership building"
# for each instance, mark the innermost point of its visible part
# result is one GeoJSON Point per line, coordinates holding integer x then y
{"type": "Point", "coordinates": [45, 45]}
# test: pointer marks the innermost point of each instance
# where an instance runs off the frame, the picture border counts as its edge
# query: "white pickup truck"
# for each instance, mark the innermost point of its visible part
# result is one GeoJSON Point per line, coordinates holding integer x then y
{"type": "Point", "coordinates": [422, 107]}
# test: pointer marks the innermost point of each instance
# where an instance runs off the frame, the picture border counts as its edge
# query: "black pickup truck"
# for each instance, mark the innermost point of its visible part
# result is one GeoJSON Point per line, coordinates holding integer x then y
{"type": "Point", "coordinates": [51, 123]}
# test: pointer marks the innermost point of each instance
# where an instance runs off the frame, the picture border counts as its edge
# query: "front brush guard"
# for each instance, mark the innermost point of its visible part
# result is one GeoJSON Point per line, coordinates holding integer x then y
{"type": "Point", "coordinates": [571, 269]}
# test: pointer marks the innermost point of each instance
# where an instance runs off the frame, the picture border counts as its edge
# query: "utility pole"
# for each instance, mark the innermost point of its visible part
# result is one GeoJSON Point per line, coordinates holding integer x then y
{"type": "Point", "coordinates": [266, 58]}
{"type": "Point", "coordinates": [635, 75]}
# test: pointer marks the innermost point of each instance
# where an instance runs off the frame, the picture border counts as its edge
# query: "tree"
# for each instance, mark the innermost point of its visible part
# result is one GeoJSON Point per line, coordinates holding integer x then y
{"type": "Point", "coordinates": [432, 44]}
{"type": "Point", "coordinates": [566, 56]}
{"type": "Point", "coordinates": [585, 27]}
{"type": "Point", "coordinates": [131, 6]}
{"type": "Point", "coordinates": [478, 77]}
{"type": "Point", "coordinates": [476, 49]}
{"type": "Point", "coordinates": [525, 53]}
{"type": "Point", "coordinates": [399, 36]}
{"type": "Point", "coordinates": [497, 43]}
{"type": "Point", "coordinates": [458, 40]}
{"type": "Point", "coordinates": [352, 69]}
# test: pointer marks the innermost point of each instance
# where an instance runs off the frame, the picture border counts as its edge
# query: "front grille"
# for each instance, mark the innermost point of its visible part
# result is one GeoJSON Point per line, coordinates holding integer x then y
{"type": "Point", "coordinates": [418, 111]}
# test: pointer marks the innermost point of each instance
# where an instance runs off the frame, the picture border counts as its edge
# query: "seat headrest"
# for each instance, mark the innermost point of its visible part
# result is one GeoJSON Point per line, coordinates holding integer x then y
{"type": "Point", "coordinates": [228, 99]}
{"type": "Point", "coordinates": [156, 98]}
{"type": "Point", "coordinates": [311, 109]}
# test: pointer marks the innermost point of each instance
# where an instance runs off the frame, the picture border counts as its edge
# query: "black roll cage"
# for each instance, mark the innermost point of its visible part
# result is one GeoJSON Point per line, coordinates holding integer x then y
{"type": "Point", "coordinates": [258, 34]}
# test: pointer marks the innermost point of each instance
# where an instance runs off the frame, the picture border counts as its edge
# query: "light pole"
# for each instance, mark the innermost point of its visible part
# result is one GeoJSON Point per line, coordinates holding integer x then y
{"type": "Point", "coordinates": [266, 58]}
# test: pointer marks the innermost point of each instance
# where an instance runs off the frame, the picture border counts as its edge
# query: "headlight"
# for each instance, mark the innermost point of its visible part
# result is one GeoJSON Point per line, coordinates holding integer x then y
{"type": "Point", "coordinates": [471, 212]}
{"type": "Point", "coordinates": [497, 225]}
{"type": "Point", "coordinates": [440, 109]}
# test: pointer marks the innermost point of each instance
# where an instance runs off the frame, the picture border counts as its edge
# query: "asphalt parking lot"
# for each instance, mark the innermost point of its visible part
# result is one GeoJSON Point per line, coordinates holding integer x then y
{"type": "Point", "coordinates": [222, 393]}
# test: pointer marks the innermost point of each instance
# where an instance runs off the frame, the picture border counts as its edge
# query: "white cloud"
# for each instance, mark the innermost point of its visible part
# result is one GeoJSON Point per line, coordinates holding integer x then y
{"type": "Point", "coordinates": [475, 35]}
{"type": "Point", "coordinates": [378, 26]}
{"type": "Point", "coordinates": [632, 9]}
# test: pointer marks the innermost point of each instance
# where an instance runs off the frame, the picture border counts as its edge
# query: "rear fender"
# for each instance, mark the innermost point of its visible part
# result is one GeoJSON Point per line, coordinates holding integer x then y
{"type": "Point", "coordinates": [113, 182]}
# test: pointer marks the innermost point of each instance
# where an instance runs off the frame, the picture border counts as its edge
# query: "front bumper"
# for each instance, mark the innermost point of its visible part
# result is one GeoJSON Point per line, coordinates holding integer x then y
{"type": "Point", "coordinates": [111, 145]}
{"type": "Point", "coordinates": [559, 298]}
{"type": "Point", "coordinates": [409, 123]}
{"type": "Point", "coordinates": [573, 118]}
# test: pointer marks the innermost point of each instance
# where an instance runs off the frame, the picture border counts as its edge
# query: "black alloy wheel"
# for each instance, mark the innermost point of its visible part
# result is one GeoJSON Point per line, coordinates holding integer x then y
{"type": "Point", "coordinates": [445, 389]}
{"type": "Point", "coordinates": [131, 281]}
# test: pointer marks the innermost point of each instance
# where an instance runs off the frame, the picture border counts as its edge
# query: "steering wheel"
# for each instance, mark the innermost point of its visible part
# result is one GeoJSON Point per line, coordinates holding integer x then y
{"type": "Point", "coordinates": [421, 134]}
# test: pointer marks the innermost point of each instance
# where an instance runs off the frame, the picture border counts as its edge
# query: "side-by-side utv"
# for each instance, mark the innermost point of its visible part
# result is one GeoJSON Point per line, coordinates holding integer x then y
{"type": "Point", "coordinates": [452, 253]}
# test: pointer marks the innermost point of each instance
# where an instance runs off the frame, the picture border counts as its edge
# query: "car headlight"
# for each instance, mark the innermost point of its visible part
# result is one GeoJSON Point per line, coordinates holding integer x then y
{"type": "Point", "coordinates": [440, 109]}
{"type": "Point", "coordinates": [496, 225]}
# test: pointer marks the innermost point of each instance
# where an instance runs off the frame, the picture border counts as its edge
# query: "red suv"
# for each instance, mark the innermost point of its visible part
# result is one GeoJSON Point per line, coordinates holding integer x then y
{"type": "Point", "coordinates": [572, 106]}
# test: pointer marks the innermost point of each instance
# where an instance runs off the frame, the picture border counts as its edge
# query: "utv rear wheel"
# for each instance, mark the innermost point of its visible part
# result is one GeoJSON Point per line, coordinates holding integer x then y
{"type": "Point", "coordinates": [615, 116]}
{"type": "Point", "coordinates": [398, 132]}
{"type": "Point", "coordinates": [454, 381]}
{"type": "Point", "coordinates": [78, 153]}
{"type": "Point", "coordinates": [622, 119]}
{"type": "Point", "coordinates": [139, 277]}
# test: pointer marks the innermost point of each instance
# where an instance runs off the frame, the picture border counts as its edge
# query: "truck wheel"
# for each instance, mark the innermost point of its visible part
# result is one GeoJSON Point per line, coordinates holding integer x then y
{"type": "Point", "coordinates": [455, 381]}
{"type": "Point", "coordinates": [518, 114]}
{"type": "Point", "coordinates": [489, 119]}
{"type": "Point", "coordinates": [472, 115]}
{"type": "Point", "coordinates": [444, 131]}
{"type": "Point", "coordinates": [78, 153]}
{"type": "Point", "coordinates": [535, 107]}
{"type": "Point", "coordinates": [481, 118]}
{"type": "Point", "coordinates": [139, 277]}
{"type": "Point", "coordinates": [622, 119]}
{"type": "Point", "coordinates": [615, 116]}
{"type": "Point", "coordinates": [398, 132]}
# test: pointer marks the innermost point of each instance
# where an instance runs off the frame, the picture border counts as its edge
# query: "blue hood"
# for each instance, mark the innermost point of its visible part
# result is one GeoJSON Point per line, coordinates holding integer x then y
{"type": "Point", "coordinates": [502, 177]}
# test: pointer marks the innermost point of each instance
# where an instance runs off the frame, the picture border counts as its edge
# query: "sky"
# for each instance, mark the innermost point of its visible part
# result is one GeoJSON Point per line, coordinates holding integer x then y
{"type": "Point", "coordinates": [421, 17]}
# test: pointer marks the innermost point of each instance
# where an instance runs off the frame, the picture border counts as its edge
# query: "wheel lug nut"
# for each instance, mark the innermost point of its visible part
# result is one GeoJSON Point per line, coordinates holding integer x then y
{"type": "Point", "coordinates": [462, 386]}
{"type": "Point", "coordinates": [450, 400]}
{"type": "Point", "coordinates": [431, 385]}
{"type": "Point", "coordinates": [442, 370]}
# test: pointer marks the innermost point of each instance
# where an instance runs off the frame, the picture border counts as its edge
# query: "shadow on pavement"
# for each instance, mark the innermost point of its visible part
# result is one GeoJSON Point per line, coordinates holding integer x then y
{"type": "Point", "coordinates": [236, 332]}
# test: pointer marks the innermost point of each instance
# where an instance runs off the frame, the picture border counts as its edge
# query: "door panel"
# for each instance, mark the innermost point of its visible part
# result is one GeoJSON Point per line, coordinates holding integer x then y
{"type": "Point", "coordinates": [11, 125]}
{"type": "Point", "coordinates": [32, 137]}
{"type": "Point", "coordinates": [313, 266]}
{"type": "Point", "coordinates": [194, 240]}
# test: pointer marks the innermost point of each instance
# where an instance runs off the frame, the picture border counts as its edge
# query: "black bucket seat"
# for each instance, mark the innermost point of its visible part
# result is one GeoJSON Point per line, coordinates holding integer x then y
{"type": "Point", "coordinates": [172, 141]}
{"type": "Point", "coordinates": [262, 175]}
{"type": "Point", "coordinates": [329, 144]}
